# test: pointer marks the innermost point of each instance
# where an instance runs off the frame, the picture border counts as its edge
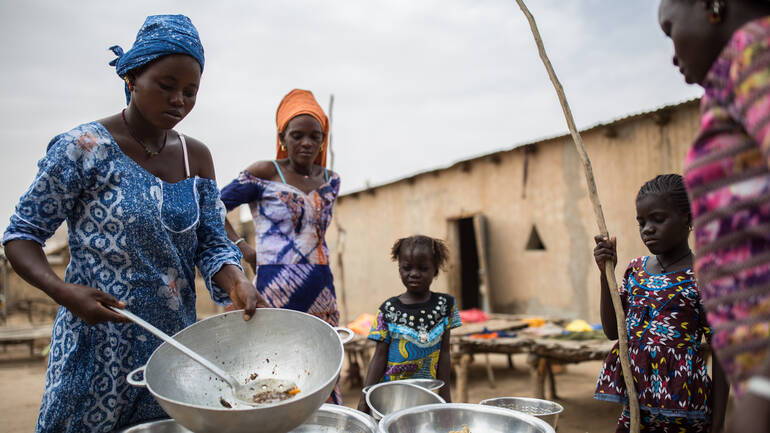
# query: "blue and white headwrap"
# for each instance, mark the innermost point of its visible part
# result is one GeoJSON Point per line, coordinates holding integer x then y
{"type": "Point", "coordinates": [160, 35]}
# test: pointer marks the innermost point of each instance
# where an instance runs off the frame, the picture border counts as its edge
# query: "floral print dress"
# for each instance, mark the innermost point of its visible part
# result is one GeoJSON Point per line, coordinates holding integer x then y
{"type": "Point", "coordinates": [665, 324]}
{"type": "Point", "coordinates": [135, 237]}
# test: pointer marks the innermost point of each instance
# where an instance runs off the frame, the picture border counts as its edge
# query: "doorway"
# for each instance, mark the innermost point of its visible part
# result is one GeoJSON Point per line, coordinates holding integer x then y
{"type": "Point", "coordinates": [468, 270]}
{"type": "Point", "coordinates": [469, 265]}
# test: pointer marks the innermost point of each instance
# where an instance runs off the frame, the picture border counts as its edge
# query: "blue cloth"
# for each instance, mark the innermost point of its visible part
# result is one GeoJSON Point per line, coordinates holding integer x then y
{"type": "Point", "coordinates": [131, 235]}
{"type": "Point", "coordinates": [160, 35]}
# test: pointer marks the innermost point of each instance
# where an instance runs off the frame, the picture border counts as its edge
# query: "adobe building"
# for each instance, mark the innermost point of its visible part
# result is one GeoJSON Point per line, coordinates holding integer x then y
{"type": "Point", "coordinates": [519, 222]}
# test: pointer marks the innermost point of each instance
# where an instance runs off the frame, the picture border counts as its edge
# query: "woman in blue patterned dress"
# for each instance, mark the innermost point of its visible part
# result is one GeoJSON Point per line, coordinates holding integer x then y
{"type": "Point", "coordinates": [291, 200]}
{"type": "Point", "coordinates": [142, 210]}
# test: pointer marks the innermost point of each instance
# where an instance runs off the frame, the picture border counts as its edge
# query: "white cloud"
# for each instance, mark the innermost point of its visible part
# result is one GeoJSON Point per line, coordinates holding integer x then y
{"type": "Point", "coordinates": [418, 84]}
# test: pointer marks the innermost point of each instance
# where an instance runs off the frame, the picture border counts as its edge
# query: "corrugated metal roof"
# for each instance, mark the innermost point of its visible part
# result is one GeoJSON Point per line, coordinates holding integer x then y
{"type": "Point", "coordinates": [624, 119]}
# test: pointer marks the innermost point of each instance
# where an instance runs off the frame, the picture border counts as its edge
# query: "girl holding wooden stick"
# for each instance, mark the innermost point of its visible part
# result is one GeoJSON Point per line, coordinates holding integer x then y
{"type": "Point", "coordinates": [665, 321]}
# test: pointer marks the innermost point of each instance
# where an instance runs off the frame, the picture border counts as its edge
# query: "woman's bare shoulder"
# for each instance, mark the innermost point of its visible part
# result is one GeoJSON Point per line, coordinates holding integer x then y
{"type": "Point", "coordinates": [201, 161]}
{"type": "Point", "coordinates": [263, 170]}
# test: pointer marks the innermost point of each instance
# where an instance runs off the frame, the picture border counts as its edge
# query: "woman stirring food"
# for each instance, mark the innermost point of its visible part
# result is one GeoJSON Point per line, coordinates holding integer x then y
{"type": "Point", "coordinates": [143, 210]}
{"type": "Point", "coordinates": [291, 200]}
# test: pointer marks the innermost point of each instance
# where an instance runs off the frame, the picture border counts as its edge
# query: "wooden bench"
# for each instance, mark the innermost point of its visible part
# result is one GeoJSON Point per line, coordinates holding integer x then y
{"type": "Point", "coordinates": [543, 352]}
{"type": "Point", "coordinates": [25, 335]}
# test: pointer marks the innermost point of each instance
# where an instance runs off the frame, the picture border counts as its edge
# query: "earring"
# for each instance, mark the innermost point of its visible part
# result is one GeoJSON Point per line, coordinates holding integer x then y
{"type": "Point", "coordinates": [716, 10]}
{"type": "Point", "coordinates": [283, 147]}
{"type": "Point", "coordinates": [128, 83]}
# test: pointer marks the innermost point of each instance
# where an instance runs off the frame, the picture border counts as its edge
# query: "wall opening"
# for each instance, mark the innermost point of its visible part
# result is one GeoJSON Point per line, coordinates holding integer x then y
{"type": "Point", "coordinates": [469, 265]}
{"type": "Point", "coordinates": [534, 243]}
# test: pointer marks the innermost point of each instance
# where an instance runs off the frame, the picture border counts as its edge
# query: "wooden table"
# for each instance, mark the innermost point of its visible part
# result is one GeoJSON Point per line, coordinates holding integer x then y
{"type": "Point", "coordinates": [25, 335]}
{"type": "Point", "coordinates": [543, 353]}
{"type": "Point", "coordinates": [464, 347]}
{"type": "Point", "coordinates": [547, 351]}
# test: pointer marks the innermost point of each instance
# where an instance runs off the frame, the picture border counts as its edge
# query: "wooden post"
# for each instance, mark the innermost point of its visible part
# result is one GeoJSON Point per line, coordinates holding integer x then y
{"type": "Point", "coordinates": [331, 149]}
{"type": "Point", "coordinates": [461, 370]}
{"type": "Point", "coordinates": [620, 316]}
{"type": "Point", "coordinates": [340, 231]}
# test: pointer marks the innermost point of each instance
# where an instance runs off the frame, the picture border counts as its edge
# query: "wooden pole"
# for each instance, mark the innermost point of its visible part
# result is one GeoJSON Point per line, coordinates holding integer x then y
{"type": "Point", "coordinates": [620, 316]}
{"type": "Point", "coordinates": [331, 150]}
{"type": "Point", "coordinates": [340, 231]}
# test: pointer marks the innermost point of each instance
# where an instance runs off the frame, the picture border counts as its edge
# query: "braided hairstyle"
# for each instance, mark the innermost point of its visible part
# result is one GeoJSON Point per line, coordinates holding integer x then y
{"type": "Point", "coordinates": [436, 246]}
{"type": "Point", "coordinates": [672, 186]}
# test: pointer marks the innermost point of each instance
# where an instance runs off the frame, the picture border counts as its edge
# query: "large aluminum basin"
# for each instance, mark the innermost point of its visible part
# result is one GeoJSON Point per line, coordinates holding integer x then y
{"type": "Point", "coordinates": [275, 343]}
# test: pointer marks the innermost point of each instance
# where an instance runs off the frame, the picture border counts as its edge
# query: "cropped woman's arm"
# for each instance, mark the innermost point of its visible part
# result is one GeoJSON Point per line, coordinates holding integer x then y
{"type": "Point", "coordinates": [217, 258]}
{"type": "Point", "coordinates": [248, 252]}
{"type": "Point", "coordinates": [720, 390]}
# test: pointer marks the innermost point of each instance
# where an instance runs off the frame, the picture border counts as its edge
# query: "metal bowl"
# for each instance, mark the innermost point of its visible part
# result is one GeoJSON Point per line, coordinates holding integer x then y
{"type": "Point", "coordinates": [331, 418]}
{"type": "Point", "coordinates": [162, 426]}
{"type": "Point", "coordinates": [275, 343]}
{"type": "Point", "coordinates": [388, 397]}
{"type": "Point", "coordinates": [429, 384]}
{"type": "Point", "coordinates": [449, 417]}
{"type": "Point", "coordinates": [546, 410]}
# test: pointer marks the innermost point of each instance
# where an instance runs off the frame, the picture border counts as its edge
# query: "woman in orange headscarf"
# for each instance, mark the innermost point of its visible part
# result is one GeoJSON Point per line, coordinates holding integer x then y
{"type": "Point", "coordinates": [291, 200]}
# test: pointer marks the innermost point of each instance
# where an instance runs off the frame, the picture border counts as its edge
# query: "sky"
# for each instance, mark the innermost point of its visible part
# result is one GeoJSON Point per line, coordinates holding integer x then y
{"type": "Point", "coordinates": [418, 85]}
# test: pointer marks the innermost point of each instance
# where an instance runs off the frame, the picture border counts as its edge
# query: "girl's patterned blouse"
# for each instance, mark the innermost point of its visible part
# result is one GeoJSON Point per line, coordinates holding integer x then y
{"type": "Point", "coordinates": [413, 333]}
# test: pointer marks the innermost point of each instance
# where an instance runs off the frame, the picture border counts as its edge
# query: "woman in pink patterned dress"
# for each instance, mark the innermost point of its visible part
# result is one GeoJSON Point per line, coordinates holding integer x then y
{"type": "Point", "coordinates": [725, 48]}
{"type": "Point", "coordinates": [665, 321]}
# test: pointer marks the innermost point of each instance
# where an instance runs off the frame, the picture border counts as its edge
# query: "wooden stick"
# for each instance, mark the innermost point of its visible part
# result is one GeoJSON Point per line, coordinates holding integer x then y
{"type": "Point", "coordinates": [331, 149]}
{"type": "Point", "coordinates": [620, 316]}
{"type": "Point", "coordinates": [340, 231]}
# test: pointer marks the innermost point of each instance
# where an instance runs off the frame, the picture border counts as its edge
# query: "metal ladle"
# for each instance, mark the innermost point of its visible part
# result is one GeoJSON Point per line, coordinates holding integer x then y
{"type": "Point", "coordinates": [242, 393]}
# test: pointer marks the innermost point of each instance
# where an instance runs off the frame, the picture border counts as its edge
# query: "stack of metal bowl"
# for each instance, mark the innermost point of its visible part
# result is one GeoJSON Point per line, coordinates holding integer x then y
{"type": "Point", "coordinates": [329, 418]}
{"type": "Point", "coordinates": [454, 417]}
{"type": "Point", "coordinates": [388, 397]}
{"type": "Point", "coordinates": [546, 410]}
{"type": "Point", "coordinates": [162, 426]}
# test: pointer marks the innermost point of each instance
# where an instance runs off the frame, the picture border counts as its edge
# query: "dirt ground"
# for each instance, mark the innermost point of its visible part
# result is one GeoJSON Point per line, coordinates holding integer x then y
{"type": "Point", "coordinates": [22, 379]}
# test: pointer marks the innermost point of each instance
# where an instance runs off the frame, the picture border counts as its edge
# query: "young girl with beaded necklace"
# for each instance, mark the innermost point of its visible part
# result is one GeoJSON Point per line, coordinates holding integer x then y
{"type": "Point", "coordinates": [665, 321]}
{"type": "Point", "coordinates": [412, 329]}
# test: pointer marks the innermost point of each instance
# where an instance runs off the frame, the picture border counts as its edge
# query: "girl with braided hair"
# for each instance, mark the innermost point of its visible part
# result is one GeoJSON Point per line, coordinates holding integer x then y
{"type": "Point", "coordinates": [724, 46]}
{"type": "Point", "coordinates": [665, 321]}
{"type": "Point", "coordinates": [412, 329]}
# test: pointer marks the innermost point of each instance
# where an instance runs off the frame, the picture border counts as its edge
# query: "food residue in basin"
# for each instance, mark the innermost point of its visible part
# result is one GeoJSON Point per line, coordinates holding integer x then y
{"type": "Point", "coordinates": [274, 396]}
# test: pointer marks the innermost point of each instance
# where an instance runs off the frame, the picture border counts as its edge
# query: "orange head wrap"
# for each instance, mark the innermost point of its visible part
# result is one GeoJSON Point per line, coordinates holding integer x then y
{"type": "Point", "coordinates": [295, 103]}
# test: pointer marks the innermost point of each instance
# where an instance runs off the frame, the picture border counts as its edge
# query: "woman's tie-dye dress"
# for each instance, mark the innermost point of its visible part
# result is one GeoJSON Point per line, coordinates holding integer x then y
{"type": "Point", "coordinates": [292, 258]}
